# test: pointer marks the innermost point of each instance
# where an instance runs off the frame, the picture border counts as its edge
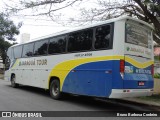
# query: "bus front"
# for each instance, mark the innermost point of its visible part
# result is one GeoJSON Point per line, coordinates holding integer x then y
{"type": "Point", "coordinates": [136, 68]}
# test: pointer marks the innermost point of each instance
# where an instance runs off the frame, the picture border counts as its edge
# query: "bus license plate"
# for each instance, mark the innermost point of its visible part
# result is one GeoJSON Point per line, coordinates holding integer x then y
{"type": "Point", "coordinates": [140, 83]}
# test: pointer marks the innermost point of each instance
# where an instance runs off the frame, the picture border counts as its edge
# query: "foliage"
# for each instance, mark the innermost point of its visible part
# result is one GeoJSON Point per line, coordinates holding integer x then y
{"type": "Point", "coordinates": [151, 10]}
{"type": "Point", "coordinates": [39, 7]}
{"type": "Point", "coordinates": [157, 75]}
{"type": "Point", "coordinates": [4, 45]}
{"type": "Point", "coordinates": [157, 58]}
{"type": "Point", "coordinates": [7, 28]}
{"type": "Point", "coordinates": [147, 10]}
{"type": "Point", "coordinates": [7, 32]}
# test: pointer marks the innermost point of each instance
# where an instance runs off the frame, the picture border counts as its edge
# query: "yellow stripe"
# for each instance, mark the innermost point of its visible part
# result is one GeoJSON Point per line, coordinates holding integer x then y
{"type": "Point", "coordinates": [138, 64]}
{"type": "Point", "coordinates": [15, 64]}
{"type": "Point", "coordinates": [62, 69]}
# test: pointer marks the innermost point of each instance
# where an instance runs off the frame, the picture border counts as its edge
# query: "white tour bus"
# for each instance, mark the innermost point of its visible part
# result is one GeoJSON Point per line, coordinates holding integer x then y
{"type": "Point", "coordinates": [112, 59]}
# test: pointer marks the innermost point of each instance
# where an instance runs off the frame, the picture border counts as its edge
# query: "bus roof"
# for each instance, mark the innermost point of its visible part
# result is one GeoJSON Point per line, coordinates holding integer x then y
{"type": "Point", "coordinates": [87, 26]}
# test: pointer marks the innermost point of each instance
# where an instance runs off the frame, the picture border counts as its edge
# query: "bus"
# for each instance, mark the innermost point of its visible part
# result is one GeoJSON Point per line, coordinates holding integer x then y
{"type": "Point", "coordinates": [111, 59]}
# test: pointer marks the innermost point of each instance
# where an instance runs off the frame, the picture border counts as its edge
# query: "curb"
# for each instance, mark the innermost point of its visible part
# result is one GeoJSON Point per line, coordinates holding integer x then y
{"type": "Point", "coordinates": [140, 102]}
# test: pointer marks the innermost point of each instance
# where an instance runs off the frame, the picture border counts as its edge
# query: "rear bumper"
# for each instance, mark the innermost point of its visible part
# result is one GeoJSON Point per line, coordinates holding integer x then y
{"type": "Point", "coordinates": [121, 93]}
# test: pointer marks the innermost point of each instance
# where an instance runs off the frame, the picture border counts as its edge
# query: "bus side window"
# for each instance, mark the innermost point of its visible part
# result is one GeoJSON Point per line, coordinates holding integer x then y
{"type": "Point", "coordinates": [9, 53]}
{"type": "Point", "coordinates": [81, 40]}
{"type": "Point", "coordinates": [17, 51]}
{"type": "Point", "coordinates": [57, 45]}
{"type": "Point", "coordinates": [40, 47]}
{"type": "Point", "coordinates": [102, 36]}
{"type": "Point", "coordinates": [28, 50]}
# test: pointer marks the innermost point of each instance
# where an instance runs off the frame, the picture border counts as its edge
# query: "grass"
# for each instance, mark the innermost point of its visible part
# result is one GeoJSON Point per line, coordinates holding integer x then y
{"type": "Point", "coordinates": [155, 98]}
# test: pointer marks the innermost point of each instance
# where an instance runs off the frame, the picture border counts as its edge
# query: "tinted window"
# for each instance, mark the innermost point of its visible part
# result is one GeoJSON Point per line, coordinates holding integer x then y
{"type": "Point", "coordinates": [17, 51]}
{"type": "Point", "coordinates": [103, 37]}
{"type": "Point", "coordinates": [40, 47]}
{"type": "Point", "coordinates": [81, 40]}
{"type": "Point", "coordinates": [57, 45]}
{"type": "Point", "coordinates": [10, 53]}
{"type": "Point", "coordinates": [28, 50]}
{"type": "Point", "coordinates": [138, 35]}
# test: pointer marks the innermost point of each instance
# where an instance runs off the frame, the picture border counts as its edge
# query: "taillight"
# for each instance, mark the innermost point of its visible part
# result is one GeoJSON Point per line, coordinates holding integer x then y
{"type": "Point", "coordinates": [121, 66]}
{"type": "Point", "coordinates": [152, 69]}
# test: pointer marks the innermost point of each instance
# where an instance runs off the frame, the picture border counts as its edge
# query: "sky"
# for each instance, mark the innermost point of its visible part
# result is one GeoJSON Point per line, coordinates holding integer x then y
{"type": "Point", "coordinates": [41, 25]}
{"type": "Point", "coordinates": [37, 28]}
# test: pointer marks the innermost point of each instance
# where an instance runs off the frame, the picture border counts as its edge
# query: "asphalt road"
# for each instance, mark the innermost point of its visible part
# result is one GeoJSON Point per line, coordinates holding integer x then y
{"type": "Point", "coordinates": [34, 99]}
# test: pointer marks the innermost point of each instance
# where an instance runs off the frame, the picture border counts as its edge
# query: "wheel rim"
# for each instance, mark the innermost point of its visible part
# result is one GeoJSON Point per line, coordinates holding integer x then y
{"type": "Point", "coordinates": [55, 90]}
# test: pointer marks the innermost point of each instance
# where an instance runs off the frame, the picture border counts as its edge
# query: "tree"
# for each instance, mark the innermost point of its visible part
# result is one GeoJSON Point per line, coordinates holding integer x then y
{"type": "Point", "coordinates": [151, 10]}
{"type": "Point", "coordinates": [39, 7]}
{"type": "Point", "coordinates": [7, 31]}
{"type": "Point", "coordinates": [7, 28]}
{"type": "Point", "coordinates": [4, 45]}
{"type": "Point", "coordinates": [147, 10]}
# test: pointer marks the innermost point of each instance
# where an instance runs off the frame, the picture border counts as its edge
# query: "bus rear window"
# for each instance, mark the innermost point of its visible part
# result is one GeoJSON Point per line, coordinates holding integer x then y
{"type": "Point", "coordinates": [138, 35]}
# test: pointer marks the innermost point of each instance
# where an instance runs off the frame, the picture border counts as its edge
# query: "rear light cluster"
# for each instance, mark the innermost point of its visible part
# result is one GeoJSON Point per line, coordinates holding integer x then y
{"type": "Point", "coordinates": [152, 69]}
{"type": "Point", "coordinates": [121, 70]}
{"type": "Point", "coordinates": [121, 66]}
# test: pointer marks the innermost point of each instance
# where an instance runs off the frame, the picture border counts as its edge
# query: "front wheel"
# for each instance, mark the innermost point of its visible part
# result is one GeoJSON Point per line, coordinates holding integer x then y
{"type": "Point", "coordinates": [55, 89]}
{"type": "Point", "coordinates": [13, 81]}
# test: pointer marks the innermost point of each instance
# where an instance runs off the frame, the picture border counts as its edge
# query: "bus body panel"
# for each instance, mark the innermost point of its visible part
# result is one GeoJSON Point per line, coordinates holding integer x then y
{"type": "Point", "coordinates": [138, 77]}
{"type": "Point", "coordinates": [138, 56]}
{"type": "Point", "coordinates": [124, 93]}
{"type": "Point", "coordinates": [92, 73]}
{"type": "Point", "coordinates": [117, 82]}
{"type": "Point", "coordinates": [92, 79]}
{"type": "Point", "coordinates": [118, 49]}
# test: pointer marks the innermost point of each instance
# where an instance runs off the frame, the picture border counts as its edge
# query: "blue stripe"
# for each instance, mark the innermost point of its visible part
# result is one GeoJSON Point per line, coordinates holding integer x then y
{"type": "Point", "coordinates": [99, 78]}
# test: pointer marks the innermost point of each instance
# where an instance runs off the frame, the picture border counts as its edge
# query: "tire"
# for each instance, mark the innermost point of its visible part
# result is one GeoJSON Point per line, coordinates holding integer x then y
{"type": "Point", "coordinates": [13, 81]}
{"type": "Point", "coordinates": [55, 89]}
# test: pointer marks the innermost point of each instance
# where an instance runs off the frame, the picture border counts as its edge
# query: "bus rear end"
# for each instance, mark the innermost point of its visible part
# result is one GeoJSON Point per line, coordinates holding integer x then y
{"type": "Point", "coordinates": [136, 68]}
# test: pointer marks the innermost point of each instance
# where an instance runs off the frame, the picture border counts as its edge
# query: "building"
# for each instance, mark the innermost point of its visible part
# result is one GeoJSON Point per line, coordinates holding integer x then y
{"type": "Point", "coordinates": [25, 37]}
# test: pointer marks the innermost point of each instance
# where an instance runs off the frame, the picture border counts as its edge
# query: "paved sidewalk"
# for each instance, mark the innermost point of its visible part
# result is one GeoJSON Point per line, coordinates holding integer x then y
{"type": "Point", "coordinates": [142, 101]}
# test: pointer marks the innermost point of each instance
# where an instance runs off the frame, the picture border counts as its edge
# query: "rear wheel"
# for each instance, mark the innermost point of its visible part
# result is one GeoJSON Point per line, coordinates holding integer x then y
{"type": "Point", "coordinates": [55, 89]}
{"type": "Point", "coordinates": [13, 81]}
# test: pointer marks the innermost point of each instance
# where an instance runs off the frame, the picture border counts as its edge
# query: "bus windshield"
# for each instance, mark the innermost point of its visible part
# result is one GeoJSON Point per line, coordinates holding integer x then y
{"type": "Point", "coordinates": [138, 34]}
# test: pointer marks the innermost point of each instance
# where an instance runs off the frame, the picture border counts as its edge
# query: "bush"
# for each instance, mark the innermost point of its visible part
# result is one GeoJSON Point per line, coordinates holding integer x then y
{"type": "Point", "coordinates": [157, 75]}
